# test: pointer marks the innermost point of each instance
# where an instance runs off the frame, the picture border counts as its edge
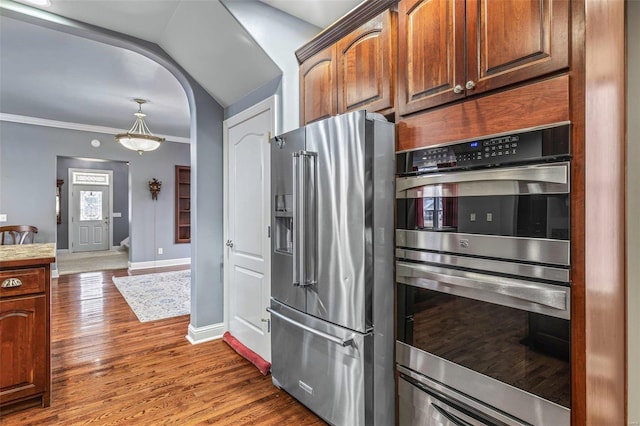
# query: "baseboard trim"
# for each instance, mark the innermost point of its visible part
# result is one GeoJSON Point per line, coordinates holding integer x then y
{"type": "Point", "coordinates": [205, 334]}
{"type": "Point", "coordinates": [159, 263]}
{"type": "Point", "coordinates": [62, 251]}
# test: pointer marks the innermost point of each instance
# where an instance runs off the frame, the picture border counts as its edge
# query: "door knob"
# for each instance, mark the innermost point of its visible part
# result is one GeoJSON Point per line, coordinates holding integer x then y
{"type": "Point", "coordinates": [458, 89]}
{"type": "Point", "coordinates": [470, 85]}
{"type": "Point", "coordinates": [229, 243]}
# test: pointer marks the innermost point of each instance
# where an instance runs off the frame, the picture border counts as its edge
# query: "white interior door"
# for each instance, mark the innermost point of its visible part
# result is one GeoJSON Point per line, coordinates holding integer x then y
{"type": "Point", "coordinates": [89, 210]}
{"type": "Point", "coordinates": [247, 266]}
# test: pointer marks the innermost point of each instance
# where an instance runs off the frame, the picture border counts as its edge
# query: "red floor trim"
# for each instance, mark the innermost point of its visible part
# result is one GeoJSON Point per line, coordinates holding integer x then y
{"type": "Point", "coordinates": [263, 366]}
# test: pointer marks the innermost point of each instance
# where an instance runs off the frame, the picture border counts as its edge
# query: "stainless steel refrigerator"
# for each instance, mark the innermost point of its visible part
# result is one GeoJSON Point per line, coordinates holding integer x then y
{"type": "Point", "coordinates": [332, 281]}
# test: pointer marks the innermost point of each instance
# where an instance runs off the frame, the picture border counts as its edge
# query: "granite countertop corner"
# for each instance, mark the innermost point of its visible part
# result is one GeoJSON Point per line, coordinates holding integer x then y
{"type": "Point", "coordinates": [10, 254]}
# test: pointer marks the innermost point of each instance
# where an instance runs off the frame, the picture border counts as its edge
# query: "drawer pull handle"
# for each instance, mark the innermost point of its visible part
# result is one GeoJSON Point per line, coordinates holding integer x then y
{"type": "Point", "coordinates": [11, 282]}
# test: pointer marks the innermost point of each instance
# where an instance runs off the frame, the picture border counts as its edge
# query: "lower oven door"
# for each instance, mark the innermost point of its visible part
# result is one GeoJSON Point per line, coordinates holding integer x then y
{"type": "Point", "coordinates": [423, 402]}
{"type": "Point", "coordinates": [500, 340]}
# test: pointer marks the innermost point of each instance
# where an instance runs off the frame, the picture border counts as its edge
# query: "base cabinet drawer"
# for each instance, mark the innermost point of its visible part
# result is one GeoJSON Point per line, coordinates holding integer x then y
{"type": "Point", "coordinates": [18, 282]}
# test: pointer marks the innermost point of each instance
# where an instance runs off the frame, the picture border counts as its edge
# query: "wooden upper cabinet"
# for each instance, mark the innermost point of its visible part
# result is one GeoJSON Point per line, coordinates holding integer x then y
{"type": "Point", "coordinates": [365, 66]}
{"type": "Point", "coordinates": [430, 53]}
{"type": "Point", "coordinates": [318, 89]}
{"type": "Point", "coordinates": [510, 41]}
{"type": "Point", "coordinates": [449, 49]}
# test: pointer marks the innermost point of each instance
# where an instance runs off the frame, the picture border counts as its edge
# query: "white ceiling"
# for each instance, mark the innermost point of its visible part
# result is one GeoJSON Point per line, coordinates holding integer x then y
{"type": "Point", "coordinates": [57, 76]}
{"type": "Point", "coordinates": [319, 13]}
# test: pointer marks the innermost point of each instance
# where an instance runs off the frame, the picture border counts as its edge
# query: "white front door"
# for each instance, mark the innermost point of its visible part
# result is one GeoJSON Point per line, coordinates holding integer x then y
{"type": "Point", "coordinates": [89, 208]}
{"type": "Point", "coordinates": [247, 214]}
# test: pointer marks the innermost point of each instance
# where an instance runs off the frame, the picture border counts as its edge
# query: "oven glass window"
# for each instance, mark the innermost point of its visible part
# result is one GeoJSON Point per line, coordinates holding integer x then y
{"type": "Point", "coordinates": [527, 350]}
{"type": "Point", "coordinates": [531, 216]}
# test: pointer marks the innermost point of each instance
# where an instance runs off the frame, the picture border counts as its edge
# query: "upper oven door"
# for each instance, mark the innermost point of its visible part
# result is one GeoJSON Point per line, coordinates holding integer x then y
{"type": "Point", "coordinates": [519, 213]}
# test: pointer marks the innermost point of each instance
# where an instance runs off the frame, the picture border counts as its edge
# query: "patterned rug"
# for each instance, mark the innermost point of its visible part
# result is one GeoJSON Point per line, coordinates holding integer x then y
{"type": "Point", "coordinates": [157, 296]}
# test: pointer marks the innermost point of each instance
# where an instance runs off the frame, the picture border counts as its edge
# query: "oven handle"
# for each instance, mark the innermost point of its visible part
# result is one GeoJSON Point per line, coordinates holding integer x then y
{"type": "Point", "coordinates": [557, 174]}
{"type": "Point", "coordinates": [520, 294]}
{"type": "Point", "coordinates": [455, 420]}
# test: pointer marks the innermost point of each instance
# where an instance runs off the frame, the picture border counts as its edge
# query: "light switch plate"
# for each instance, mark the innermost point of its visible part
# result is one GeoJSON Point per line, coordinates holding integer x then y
{"type": "Point", "coordinates": [3, 217]}
{"type": "Point", "coordinates": [117, 214]}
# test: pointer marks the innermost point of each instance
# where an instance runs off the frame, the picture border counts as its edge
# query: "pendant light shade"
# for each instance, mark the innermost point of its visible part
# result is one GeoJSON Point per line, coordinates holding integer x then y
{"type": "Point", "coordinates": [139, 137]}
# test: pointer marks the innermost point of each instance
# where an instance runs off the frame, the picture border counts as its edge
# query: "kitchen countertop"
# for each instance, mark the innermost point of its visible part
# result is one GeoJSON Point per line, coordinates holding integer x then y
{"type": "Point", "coordinates": [27, 254]}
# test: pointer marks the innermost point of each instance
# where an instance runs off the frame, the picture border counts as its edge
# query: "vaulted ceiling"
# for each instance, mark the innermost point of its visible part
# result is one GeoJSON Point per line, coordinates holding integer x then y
{"type": "Point", "coordinates": [57, 76]}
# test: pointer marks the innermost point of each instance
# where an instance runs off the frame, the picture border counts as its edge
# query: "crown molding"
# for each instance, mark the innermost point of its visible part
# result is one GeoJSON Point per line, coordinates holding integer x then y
{"type": "Point", "coordinates": [23, 119]}
{"type": "Point", "coordinates": [361, 14]}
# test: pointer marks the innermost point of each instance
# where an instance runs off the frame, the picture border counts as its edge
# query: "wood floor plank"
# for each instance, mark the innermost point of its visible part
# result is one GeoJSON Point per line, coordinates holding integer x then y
{"type": "Point", "coordinates": [109, 368]}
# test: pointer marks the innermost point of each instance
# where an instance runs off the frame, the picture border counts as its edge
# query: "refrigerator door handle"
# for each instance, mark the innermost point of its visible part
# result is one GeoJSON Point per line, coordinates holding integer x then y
{"type": "Point", "coordinates": [296, 226]}
{"type": "Point", "coordinates": [326, 336]}
{"type": "Point", "coordinates": [307, 218]}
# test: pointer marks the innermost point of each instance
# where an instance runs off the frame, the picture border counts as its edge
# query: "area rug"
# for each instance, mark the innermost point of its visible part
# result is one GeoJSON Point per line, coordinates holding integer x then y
{"type": "Point", "coordinates": [263, 366]}
{"type": "Point", "coordinates": [157, 296]}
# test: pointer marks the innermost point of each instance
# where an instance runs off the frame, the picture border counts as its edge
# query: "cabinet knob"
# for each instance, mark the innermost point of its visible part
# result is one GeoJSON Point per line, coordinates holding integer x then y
{"type": "Point", "coordinates": [470, 85]}
{"type": "Point", "coordinates": [458, 88]}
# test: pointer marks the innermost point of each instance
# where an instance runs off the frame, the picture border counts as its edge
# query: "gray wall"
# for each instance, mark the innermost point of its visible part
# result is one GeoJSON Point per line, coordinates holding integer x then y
{"type": "Point", "coordinates": [32, 182]}
{"type": "Point", "coordinates": [206, 164]}
{"type": "Point", "coordinates": [279, 35]}
{"type": "Point", "coordinates": [633, 209]}
{"type": "Point", "coordinates": [273, 87]}
{"type": "Point", "coordinates": [120, 200]}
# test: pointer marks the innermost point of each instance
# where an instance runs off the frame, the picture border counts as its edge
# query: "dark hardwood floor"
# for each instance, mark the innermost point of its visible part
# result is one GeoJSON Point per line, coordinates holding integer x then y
{"type": "Point", "coordinates": [109, 368]}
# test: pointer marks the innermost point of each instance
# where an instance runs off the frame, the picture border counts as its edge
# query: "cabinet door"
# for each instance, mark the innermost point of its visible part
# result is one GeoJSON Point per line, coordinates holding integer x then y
{"type": "Point", "coordinates": [318, 88]}
{"type": "Point", "coordinates": [510, 41]}
{"type": "Point", "coordinates": [365, 67]}
{"type": "Point", "coordinates": [23, 349]}
{"type": "Point", "coordinates": [430, 53]}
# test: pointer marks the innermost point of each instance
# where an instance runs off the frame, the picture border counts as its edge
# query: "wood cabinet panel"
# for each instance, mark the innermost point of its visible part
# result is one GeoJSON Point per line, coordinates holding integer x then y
{"type": "Point", "coordinates": [365, 61]}
{"type": "Point", "coordinates": [318, 89]}
{"type": "Point", "coordinates": [516, 40]}
{"type": "Point", "coordinates": [450, 49]}
{"type": "Point", "coordinates": [24, 349]}
{"type": "Point", "coordinates": [430, 53]}
{"type": "Point", "coordinates": [538, 104]}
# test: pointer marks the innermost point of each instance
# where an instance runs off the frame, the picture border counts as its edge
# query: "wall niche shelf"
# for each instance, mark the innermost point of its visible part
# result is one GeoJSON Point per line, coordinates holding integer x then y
{"type": "Point", "coordinates": [183, 205]}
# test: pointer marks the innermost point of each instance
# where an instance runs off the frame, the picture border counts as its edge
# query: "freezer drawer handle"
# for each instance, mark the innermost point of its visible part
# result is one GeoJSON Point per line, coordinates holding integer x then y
{"type": "Point", "coordinates": [329, 337]}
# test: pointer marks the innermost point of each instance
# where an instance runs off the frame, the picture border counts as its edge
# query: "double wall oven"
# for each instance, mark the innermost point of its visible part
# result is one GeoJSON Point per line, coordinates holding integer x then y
{"type": "Point", "coordinates": [483, 284]}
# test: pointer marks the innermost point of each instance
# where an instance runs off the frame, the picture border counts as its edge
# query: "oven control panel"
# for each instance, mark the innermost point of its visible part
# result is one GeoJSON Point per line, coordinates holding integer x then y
{"type": "Point", "coordinates": [505, 149]}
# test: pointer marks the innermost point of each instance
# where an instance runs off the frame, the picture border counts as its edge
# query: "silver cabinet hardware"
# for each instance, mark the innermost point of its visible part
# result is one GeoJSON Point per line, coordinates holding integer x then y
{"type": "Point", "coordinates": [11, 283]}
{"type": "Point", "coordinates": [326, 336]}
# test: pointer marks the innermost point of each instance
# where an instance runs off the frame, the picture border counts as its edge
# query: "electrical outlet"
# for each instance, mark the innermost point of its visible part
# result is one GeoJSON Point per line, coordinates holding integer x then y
{"type": "Point", "coordinates": [489, 217]}
{"type": "Point", "coordinates": [160, 251]}
{"type": "Point", "coordinates": [3, 217]}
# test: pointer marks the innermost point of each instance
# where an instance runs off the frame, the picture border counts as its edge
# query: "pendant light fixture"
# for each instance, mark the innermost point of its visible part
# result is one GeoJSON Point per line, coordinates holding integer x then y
{"type": "Point", "coordinates": [139, 137]}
